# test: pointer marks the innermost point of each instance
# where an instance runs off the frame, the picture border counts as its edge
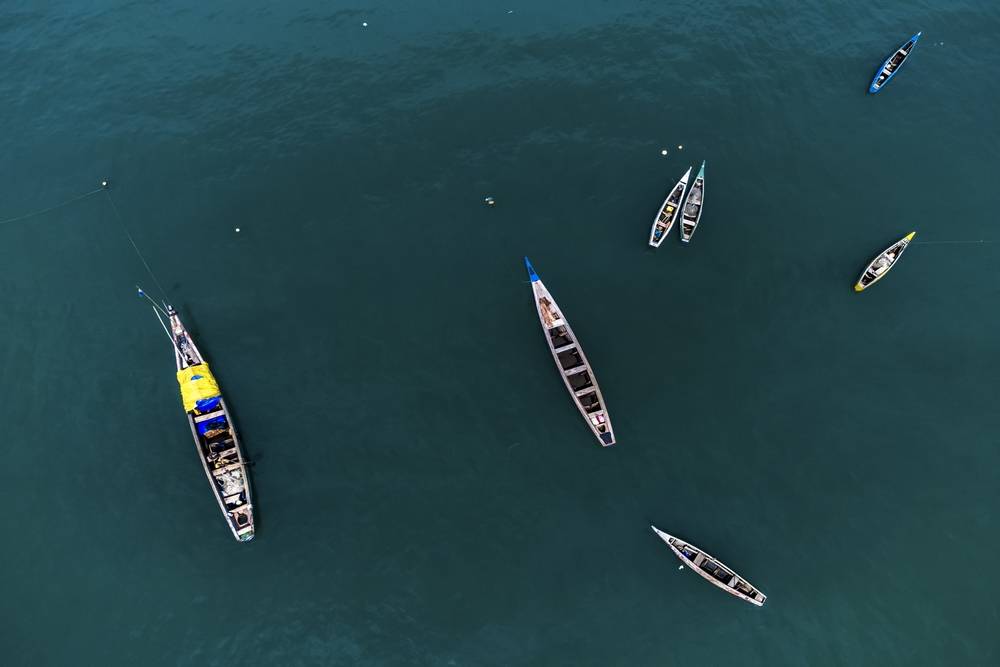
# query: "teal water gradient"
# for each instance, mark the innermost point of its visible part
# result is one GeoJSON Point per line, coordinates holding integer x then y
{"type": "Point", "coordinates": [427, 493]}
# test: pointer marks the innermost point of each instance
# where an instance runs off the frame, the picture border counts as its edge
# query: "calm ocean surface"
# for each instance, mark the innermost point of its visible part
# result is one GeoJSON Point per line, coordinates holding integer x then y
{"type": "Point", "coordinates": [426, 492]}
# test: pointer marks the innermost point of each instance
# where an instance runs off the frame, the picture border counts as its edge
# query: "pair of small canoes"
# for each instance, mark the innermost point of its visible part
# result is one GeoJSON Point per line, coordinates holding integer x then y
{"type": "Point", "coordinates": [689, 213]}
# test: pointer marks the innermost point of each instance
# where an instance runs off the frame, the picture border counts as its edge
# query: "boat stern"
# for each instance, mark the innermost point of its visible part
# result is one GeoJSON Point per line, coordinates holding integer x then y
{"type": "Point", "coordinates": [858, 287]}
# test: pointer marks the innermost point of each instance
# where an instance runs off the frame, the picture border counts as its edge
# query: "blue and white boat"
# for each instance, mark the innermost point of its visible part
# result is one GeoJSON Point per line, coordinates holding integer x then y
{"type": "Point", "coordinates": [572, 363]}
{"type": "Point", "coordinates": [892, 64]}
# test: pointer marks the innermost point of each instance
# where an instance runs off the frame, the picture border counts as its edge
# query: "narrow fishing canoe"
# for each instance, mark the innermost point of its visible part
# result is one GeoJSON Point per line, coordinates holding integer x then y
{"type": "Point", "coordinates": [881, 265]}
{"type": "Point", "coordinates": [667, 215]}
{"type": "Point", "coordinates": [571, 361]}
{"type": "Point", "coordinates": [712, 569]}
{"type": "Point", "coordinates": [213, 430]}
{"type": "Point", "coordinates": [693, 206]}
{"type": "Point", "coordinates": [892, 64]}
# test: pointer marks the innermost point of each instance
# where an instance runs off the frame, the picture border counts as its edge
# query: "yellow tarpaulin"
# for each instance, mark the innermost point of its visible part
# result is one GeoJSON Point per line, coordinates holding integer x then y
{"type": "Point", "coordinates": [196, 383]}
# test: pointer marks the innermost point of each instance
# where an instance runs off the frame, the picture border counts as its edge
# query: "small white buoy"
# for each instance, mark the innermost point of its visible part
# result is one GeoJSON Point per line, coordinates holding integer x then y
{"type": "Point", "coordinates": [490, 201]}
{"type": "Point", "coordinates": [104, 183]}
{"type": "Point", "coordinates": [663, 152]}
{"type": "Point", "coordinates": [681, 567]}
{"type": "Point", "coordinates": [364, 24]}
{"type": "Point", "coordinates": [680, 147]}
{"type": "Point", "coordinates": [237, 230]}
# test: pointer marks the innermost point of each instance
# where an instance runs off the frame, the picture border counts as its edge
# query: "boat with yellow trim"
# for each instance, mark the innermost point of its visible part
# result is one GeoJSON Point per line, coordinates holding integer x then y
{"type": "Point", "coordinates": [214, 432]}
{"type": "Point", "coordinates": [211, 426]}
{"type": "Point", "coordinates": [881, 265]}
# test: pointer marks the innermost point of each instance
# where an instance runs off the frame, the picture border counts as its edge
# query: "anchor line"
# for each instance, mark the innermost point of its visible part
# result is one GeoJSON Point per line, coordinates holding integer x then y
{"type": "Point", "coordinates": [135, 247]}
{"type": "Point", "coordinates": [951, 242]}
{"type": "Point", "coordinates": [43, 211]}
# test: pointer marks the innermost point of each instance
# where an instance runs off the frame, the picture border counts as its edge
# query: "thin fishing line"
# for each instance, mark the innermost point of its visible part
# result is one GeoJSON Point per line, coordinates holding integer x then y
{"type": "Point", "coordinates": [138, 253]}
{"type": "Point", "coordinates": [33, 214]}
{"type": "Point", "coordinates": [951, 242]}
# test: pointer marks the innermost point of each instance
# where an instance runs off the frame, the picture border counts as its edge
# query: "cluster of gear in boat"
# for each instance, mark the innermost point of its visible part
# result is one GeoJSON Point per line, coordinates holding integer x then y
{"type": "Point", "coordinates": [885, 260]}
{"type": "Point", "coordinates": [890, 66]}
{"type": "Point", "coordinates": [213, 432]}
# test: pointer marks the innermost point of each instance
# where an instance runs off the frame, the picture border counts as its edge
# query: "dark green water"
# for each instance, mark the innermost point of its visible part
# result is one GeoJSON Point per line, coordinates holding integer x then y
{"type": "Point", "coordinates": [426, 492]}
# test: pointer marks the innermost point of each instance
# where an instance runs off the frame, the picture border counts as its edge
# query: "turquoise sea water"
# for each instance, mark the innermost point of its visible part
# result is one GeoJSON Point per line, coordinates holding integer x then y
{"type": "Point", "coordinates": [426, 492]}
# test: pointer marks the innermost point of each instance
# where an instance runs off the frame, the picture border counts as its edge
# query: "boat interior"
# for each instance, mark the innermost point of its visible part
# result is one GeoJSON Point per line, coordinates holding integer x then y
{"type": "Point", "coordinates": [894, 62]}
{"type": "Point", "coordinates": [664, 220]}
{"type": "Point", "coordinates": [549, 312]}
{"type": "Point", "coordinates": [666, 214]}
{"type": "Point", "coordinates": [218, 446]}
{"type": "Point", "coordinates": [579, 378]}
{"type": "Point", "coordinates": [580, 381]}
{"type": "Point", "coordinates": [881, 264]}
{"type": "Point", "coordinates": [712, 568]}
{"type": "Point", "coordinates": [717, 572]}
{"type": "Point", "coordinates": [560, 338]}
{"type": "Point", "coordinates": [675, 196]}
{"type": "Point", "coordinates": [570, 359]}
{"type": "Point", "coordinates": [216, 438]}
{"type": "Point", "coordinates": [693, 202]}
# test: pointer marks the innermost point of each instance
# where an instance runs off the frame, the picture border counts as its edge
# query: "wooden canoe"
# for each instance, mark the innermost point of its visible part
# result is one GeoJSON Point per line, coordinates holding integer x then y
{"type": "Point", "coordinates": [881, 265]}
{"type": "Point", "coordinates": [691, 214]}
{"type": "Point", "coordinates": [571, 362]}
{"type": "Point", "coordinates": [215, 437]}
{"type": "Point", "coordinates": [667, 215]}
{"type": "Point", "coordinates": [712, 569]}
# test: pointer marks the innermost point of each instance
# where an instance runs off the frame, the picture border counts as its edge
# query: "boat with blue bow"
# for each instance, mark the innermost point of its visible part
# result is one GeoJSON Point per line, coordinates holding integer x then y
{"type": "Point", "coordinates": [571, 362]}
{"type": "Point", "coordinates": [892, 64]}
